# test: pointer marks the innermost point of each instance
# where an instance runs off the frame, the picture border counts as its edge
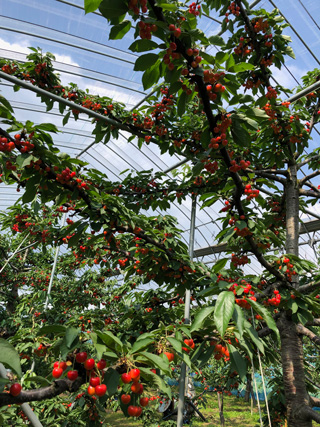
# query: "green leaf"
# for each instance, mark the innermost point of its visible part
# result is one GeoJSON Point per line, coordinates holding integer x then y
{"type": "Point", "coordinates": [181, 105]}
{"type": "Point", "coordinates": [9, 357]}
{"type": "Point", "coordinates": [111, 380]}
{"type": "Point", "coordinates": [56, 329]}
{"type": "Point", "coordinates": [242, 66]}
{"type": "Point", "coordinates": [224, 309]}
{"type": "Point", "coordinates": [113, 8]}
{"type": "Point", "coordinates": [119, 31]}
{"type": "Point", "coordinates": [145, 61]}
{"type": "Point", "coordinates": [66, 118]}
{"type": "Point", "coordinates": [71, 335]}
{"type": "Point", "coordinates": [91, 5]}
{"type": "Point", "coordinates": [238, 361]}
{"type": "Point", "coordinates": [142, 45]}
{"type": "Point", "coordinates": [216, 40]}
{"type": "Point", "coordinates": [141, 344]}
{"type": "Point", "coordinates": [31, 190]}
{"type": "Point", "coordinates": [25, 159]}
{"type": "Point", "coordinates": [238, 318]}
{"type": "Point", "coordinates": [253, 335]}
{"type": "Point", "coordinates": [230, 62]}
{"type": "Point", "coordinates": [200, 318]}
{"type": "Point", "coordinates": [267, 317]}
{"type": "Point", "coordinates": [156, 380]}
{"type": "Point", "coordinates": [176, 344]}
{"type": "Point", "coordinates": [157, 361]}
{"type": "Point", "coordinates": [6, 103]}
{"type": "Point", "coordinates": [151, 75]}
{"type": "Point", "coordinates": [38, 379]}
{"type": "Point", "coordinates": [109, 339]}
{"type": "Point", "coordinates": [219, 265]}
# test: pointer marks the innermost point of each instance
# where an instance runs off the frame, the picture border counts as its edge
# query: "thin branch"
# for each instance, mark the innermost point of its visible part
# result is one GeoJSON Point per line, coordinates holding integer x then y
{"type": "Point", "coordinates": [308, 177]}
{"type": "Point", "coordinates": [302, 330]}
{"type": "Point", "coordinates": [309, 193]}
{"type": "Point", "coordinates": [269, 175]}
{"type": "Point", "coordinates": [310, 159]}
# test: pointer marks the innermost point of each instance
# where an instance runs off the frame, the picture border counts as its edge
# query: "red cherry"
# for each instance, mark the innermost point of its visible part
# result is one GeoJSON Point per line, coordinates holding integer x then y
{"type": "Point", "coordinates": [101, 390]}
{"type": "Point", "coordinates": [172, 27]}
{"type": "Point", "coordinates": [72, 375]}
{"type": "Point", "coordinates": [94, 381]}
{"type": "Point", "coordinates": [89, 364]}
{"type": "Point", "coordinates": [91, 390]}
{"type": "Point", "coordinates": [57, 372]}
{"type": "Point", "coordinates": [153, 370]}
{"type": "Point", "coordinates": [138, 411]}
{"type": "Point", "coordinates": [81, 357]}
{"type": "Point", "coordinates": [132, 411]}
{"type": "Point", "coordinates": [144, 401]}
{"type": "Point", "coordinates": [135, 374]}
{"type": "Point", "coordinates": [125, 398]}
{"type": "Point", "coordinates": [135, 388]}
{"type": "Point", "coordinates": [101, 364]}
{"type": "Point", "coordinates": [15, 389]}
{"type": "Point", "coordinates": [126, 379]}
{"type": "Point", "coordinates": [170, 356]}
{"type": "Point", "coordinates": [61, 365]}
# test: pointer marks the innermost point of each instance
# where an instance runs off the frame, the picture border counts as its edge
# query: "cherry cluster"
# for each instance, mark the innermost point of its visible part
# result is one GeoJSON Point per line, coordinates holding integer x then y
{"type": "Point", "coordinates": [221, 131]}
{"type": "Point", "coordinates": [175, 30]}
{"type": "Point", "coordinates": [220, 351]}
{"type": "Point", "coordinates": [94, 372]}
{"type": "Point", "coordinates": [274, 301]}
{"type": "Point", "coordinates": [6, 146]}
{"type": "Point", "coordinates": [287, 268]}
{"type": "Point", "coordinates": [194, 8]}
{"type": "Point", "coordinates": [250, 192]}
{"type": "Point", "coordinates": [171, 55]}
{"type": "Point", "coordinates": [237, 261]}
{"type": "Point", "coordinates": [272, 93]}
{"type": "Point", "coordinates": [233, 9]}
{"type": "Point", "coordinates": [135, 6]}
{"type": "Point", "coordinates": [236, 167]}
{"type": "Point", "coordinates": [137, 389]}
{"type": "Point", "coordinates": [146, 30]}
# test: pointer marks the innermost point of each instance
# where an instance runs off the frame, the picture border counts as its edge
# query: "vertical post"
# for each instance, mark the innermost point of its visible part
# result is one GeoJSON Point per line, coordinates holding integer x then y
{"type": "Point", "coordinates": [183, 374]}
{"type": "Point", "coordinates": [54, 267]}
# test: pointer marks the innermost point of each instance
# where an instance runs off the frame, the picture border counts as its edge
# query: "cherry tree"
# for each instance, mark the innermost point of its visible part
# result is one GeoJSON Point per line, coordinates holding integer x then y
{"type": "Point", "coordinates": [225, 116]}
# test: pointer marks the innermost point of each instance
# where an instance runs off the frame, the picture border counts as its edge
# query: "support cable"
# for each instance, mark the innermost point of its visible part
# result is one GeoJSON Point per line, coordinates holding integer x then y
{"type": "Point", "coordinates": [297, 34]}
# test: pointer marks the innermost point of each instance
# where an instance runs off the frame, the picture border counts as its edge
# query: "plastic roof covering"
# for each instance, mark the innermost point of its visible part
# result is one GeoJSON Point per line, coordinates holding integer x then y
{"type": "Point", "coordinates": [85, 56]}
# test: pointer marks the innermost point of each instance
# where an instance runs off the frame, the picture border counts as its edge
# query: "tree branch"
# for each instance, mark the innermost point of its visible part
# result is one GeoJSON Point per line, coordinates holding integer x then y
{"type": "Point", "coordinates": [309, 414]}
{"type": "Point", "coordinates": [309, 193]}
{"type": "Point", "coordinates": [302, 330]}
{"type": "Point", "coordinates": [308, 177]}
{"type": "Point", "coordinates": [43, 393]}
{"type": "Point", "coordinates": [305, 162]}
{"type": "Point", "coordinates": [270, 174]}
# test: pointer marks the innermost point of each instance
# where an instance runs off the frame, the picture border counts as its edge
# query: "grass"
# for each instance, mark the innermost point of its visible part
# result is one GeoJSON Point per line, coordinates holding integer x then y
{"type": "Point", "coordinates": [237, 413]}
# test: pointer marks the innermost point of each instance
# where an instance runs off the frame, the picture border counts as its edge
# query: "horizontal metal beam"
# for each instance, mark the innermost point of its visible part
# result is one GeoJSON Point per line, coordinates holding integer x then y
{"type": "Point", "coordinates": [306, 227]}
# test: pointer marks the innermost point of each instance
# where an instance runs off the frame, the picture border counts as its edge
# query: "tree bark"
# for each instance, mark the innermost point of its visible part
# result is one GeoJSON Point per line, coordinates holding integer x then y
{"type": "Point", "coordinates": [297, 398]}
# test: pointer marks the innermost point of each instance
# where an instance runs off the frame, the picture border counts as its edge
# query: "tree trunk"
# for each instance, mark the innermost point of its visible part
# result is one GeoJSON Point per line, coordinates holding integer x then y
{"type": "Point", "coordinates": [248, 390]}
{"type": "Point", "coordinates": [293, 373]}
{"type": "Point", "coordinates": [291, 344]}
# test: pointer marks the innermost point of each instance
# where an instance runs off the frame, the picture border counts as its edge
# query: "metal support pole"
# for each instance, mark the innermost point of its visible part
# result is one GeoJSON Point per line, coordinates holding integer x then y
{"type": "Point", "coordinates": [54, 267]}
{"type": "Point", "coordinates": [25, 406]}
{"type": "Point", "coordinates": [14, 253]}
{"type": "Point", "coordinates": [183, 374]}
